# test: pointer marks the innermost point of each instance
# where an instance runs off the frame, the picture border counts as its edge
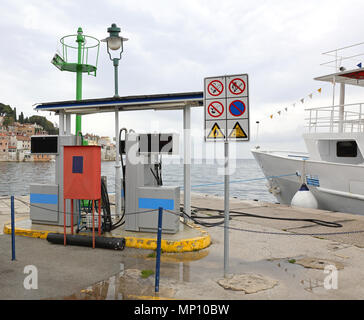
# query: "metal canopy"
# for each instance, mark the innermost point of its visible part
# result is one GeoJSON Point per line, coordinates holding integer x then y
{"type": "Point", "coordinates": [354, 77]}
{"type": "Point", "coordinates": [170, 101]}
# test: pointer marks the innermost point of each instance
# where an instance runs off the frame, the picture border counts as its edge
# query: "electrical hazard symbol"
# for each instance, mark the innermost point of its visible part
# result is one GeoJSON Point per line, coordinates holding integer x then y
{"type": "Point", "coordinates": [238, 132]}
{"type": "Point", "coordinates": [216, 132]}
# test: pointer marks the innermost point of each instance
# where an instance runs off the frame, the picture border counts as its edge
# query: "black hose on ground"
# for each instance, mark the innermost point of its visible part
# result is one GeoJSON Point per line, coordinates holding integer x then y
{"type": "Point", "coordinates": [195, 218]}
{"type": "Point", "coordinates": [86, 241]}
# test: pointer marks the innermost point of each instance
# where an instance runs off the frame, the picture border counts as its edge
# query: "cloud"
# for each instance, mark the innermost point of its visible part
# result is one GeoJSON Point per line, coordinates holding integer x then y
{"type": "Point", "coordinates": [172, 47]}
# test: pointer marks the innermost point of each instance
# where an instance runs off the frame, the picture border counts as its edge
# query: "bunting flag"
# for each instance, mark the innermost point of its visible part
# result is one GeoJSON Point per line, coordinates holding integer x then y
{"type": "Point", "coordinates": [359, 65]}
{"type": "Point", "coordinates": [302, 100]}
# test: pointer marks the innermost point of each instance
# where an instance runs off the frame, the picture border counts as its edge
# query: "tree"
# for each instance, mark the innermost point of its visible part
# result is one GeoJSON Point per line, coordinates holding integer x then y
{"type": "Point", "coordinates": [46, 124]}
{"type": "Point", "coordinates": [10, 116]}
{"type": "Point", "coordinates": [5, 110]}
{"type": "Point", "coordinates": [8, 121]}
{"type": "Point", "coordinates": [21, 117]}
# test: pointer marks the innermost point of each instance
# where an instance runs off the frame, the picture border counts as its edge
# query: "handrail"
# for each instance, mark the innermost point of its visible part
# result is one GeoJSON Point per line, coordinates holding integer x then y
{"type": "Point", "coordinates": [339, 58]}
{"type": "Point", "coordinates": [321, 118]}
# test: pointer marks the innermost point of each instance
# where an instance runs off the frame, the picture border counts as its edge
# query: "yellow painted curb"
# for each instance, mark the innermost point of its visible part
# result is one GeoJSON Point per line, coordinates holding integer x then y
{"type": "Point", "coordinates": [184, 245]}
{"type": "Point", "coordinates": [26, 232]}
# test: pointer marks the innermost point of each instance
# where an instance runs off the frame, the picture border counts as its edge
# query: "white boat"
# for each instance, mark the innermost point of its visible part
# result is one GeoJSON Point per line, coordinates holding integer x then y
{"type": "Point", "coordinates": [333, 167]}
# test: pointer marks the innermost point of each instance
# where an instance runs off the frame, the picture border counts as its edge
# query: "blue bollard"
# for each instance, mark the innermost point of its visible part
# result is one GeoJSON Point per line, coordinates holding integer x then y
{"type": "Point", "coordinates": [159, 244]}
{"type": "Point", "coordinates": [12, 228]}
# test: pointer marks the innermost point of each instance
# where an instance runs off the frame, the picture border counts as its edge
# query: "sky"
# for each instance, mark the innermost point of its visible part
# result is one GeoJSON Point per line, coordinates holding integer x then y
{"type": "Point", "coordinates": [172, 47]}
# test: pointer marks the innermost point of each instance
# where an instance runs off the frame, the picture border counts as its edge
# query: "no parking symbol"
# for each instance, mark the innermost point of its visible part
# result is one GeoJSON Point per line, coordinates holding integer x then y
{"type": "Point", "coordinates": [237, 108]}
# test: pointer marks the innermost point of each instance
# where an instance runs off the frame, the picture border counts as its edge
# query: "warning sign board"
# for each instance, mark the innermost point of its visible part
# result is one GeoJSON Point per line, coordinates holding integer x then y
{"type": "Point", "coordinates": [215, 130]}
{"type": "Point", "coordinates": [238, 130]}
{"type": "Point", "coordinates": [226, 102]}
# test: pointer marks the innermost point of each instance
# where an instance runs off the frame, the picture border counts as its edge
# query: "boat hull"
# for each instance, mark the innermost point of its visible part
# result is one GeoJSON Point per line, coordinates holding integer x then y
{"type": "Point", "coordinates": [336, 186]}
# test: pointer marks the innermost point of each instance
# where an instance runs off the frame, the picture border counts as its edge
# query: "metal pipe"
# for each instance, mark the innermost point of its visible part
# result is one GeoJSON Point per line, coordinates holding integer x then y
{"type": "Point", "coordinates": [93, 224]}
{"type": "Point", "coordinates": [116, 84]}
{"type": "Point", "coordinates": [187, 160]}
{"type": "Point", "coordinates": [61, 123]}
{"type": "Point", "coordinates": [333, 91]}
{"type": "Point", "coordinates": [117, 157]}
{"type": "Point", "coordinates": [159, 245]}
{"type": "Point", "coordinates": [71, 216]}
{"type": "Point", "coordinates": [117, 167]}
{"type": "Point", "coordinates": [68, 124]}
{"type": "Point", "coordinates": [226, 209]}
{"type": "Point", "coordinates": [64, 222]}
{"type": "Point", "coordinates": [80, 41]}
{"type": "Point", "coordinates": [12, 228]}
{"type": "Point", "coordinates": [341, 108]}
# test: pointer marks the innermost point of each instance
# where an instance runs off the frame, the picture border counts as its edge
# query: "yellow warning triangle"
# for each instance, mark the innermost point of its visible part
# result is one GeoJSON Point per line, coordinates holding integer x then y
{"type": "Point", "coordinates": [237, 132]}
{"type": "Point", "coordinates": [216, 132]}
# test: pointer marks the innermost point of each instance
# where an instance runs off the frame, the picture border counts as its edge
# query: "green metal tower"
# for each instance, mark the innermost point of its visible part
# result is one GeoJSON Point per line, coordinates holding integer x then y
{"type": "Point", "coordinates": [75, 58]}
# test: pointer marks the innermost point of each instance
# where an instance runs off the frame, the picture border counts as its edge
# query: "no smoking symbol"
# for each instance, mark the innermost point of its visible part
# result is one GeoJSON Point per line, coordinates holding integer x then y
{"type": "Point", "coordinates": [237, 86]}
{"type": "Point", "coordinates": [215, 109]}
{"type": "Point", "coordinates": [215, 88]}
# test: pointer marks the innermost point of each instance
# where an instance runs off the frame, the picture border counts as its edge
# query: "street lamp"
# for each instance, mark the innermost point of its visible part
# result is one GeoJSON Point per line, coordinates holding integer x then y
{"type": "Point", "coordinates": [115, 43]}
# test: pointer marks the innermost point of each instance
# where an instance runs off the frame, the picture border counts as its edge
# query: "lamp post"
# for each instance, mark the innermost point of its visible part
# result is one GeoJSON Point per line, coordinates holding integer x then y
{"type": "Point", "coordinates": [114, 43]}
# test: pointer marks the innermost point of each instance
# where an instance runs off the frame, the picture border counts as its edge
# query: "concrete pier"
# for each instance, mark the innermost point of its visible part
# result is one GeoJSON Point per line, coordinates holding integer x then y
{"type": "Point", "coordinates": [269, 259]}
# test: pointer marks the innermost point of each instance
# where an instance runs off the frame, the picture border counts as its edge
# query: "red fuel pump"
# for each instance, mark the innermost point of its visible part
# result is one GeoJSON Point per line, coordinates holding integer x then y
{"type": "Point", "coordinates": [82, 180]}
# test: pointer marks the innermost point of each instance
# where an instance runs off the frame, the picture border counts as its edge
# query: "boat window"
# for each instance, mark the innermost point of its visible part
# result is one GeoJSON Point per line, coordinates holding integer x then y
{"type": "Point", "coordinates": [346, 149]}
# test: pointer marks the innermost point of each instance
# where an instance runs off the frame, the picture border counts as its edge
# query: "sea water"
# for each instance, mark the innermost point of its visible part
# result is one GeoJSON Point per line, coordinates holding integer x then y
{"type": "Point", "coordinates": [206, 177]}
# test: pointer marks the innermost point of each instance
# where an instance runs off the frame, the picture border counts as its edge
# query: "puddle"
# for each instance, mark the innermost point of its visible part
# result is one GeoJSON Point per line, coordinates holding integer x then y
{"type": "Point", "coordinates": [128, 283]}
{"type": "Point", "coordinates": [192, 271]}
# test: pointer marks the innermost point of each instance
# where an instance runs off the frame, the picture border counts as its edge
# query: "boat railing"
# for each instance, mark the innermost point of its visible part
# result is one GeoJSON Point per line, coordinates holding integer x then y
{"type": "Point", "coordinates": [339, 118]}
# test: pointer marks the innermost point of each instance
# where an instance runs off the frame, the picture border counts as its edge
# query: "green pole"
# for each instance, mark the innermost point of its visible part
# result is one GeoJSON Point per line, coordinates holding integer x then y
{"type": "Point", "coordinates": [80, 40]}
{"type": "Point", "coordinates": [116, 64]}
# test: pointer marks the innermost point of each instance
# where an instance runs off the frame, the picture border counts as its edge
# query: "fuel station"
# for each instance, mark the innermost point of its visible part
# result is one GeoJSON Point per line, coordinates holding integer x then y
{"type": "Point", "coordinates": [78, 174]}
{"type": "Point", "coordinates": [78, 200]}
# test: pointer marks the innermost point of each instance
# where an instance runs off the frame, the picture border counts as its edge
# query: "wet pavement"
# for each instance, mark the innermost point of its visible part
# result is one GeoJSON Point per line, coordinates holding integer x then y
{"type": "Point", "coordinates": [259, 248]}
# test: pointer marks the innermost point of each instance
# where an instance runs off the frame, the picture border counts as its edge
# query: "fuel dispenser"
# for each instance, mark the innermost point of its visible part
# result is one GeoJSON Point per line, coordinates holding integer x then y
{"type": "Point", "coordinates": [46, 200]}
{"type": "Point", "coordinates": [143, 189]}
{"type": "Point", "coordinates": [82, 178]}
{"type": "Point", "coordinates": [78, 178]}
